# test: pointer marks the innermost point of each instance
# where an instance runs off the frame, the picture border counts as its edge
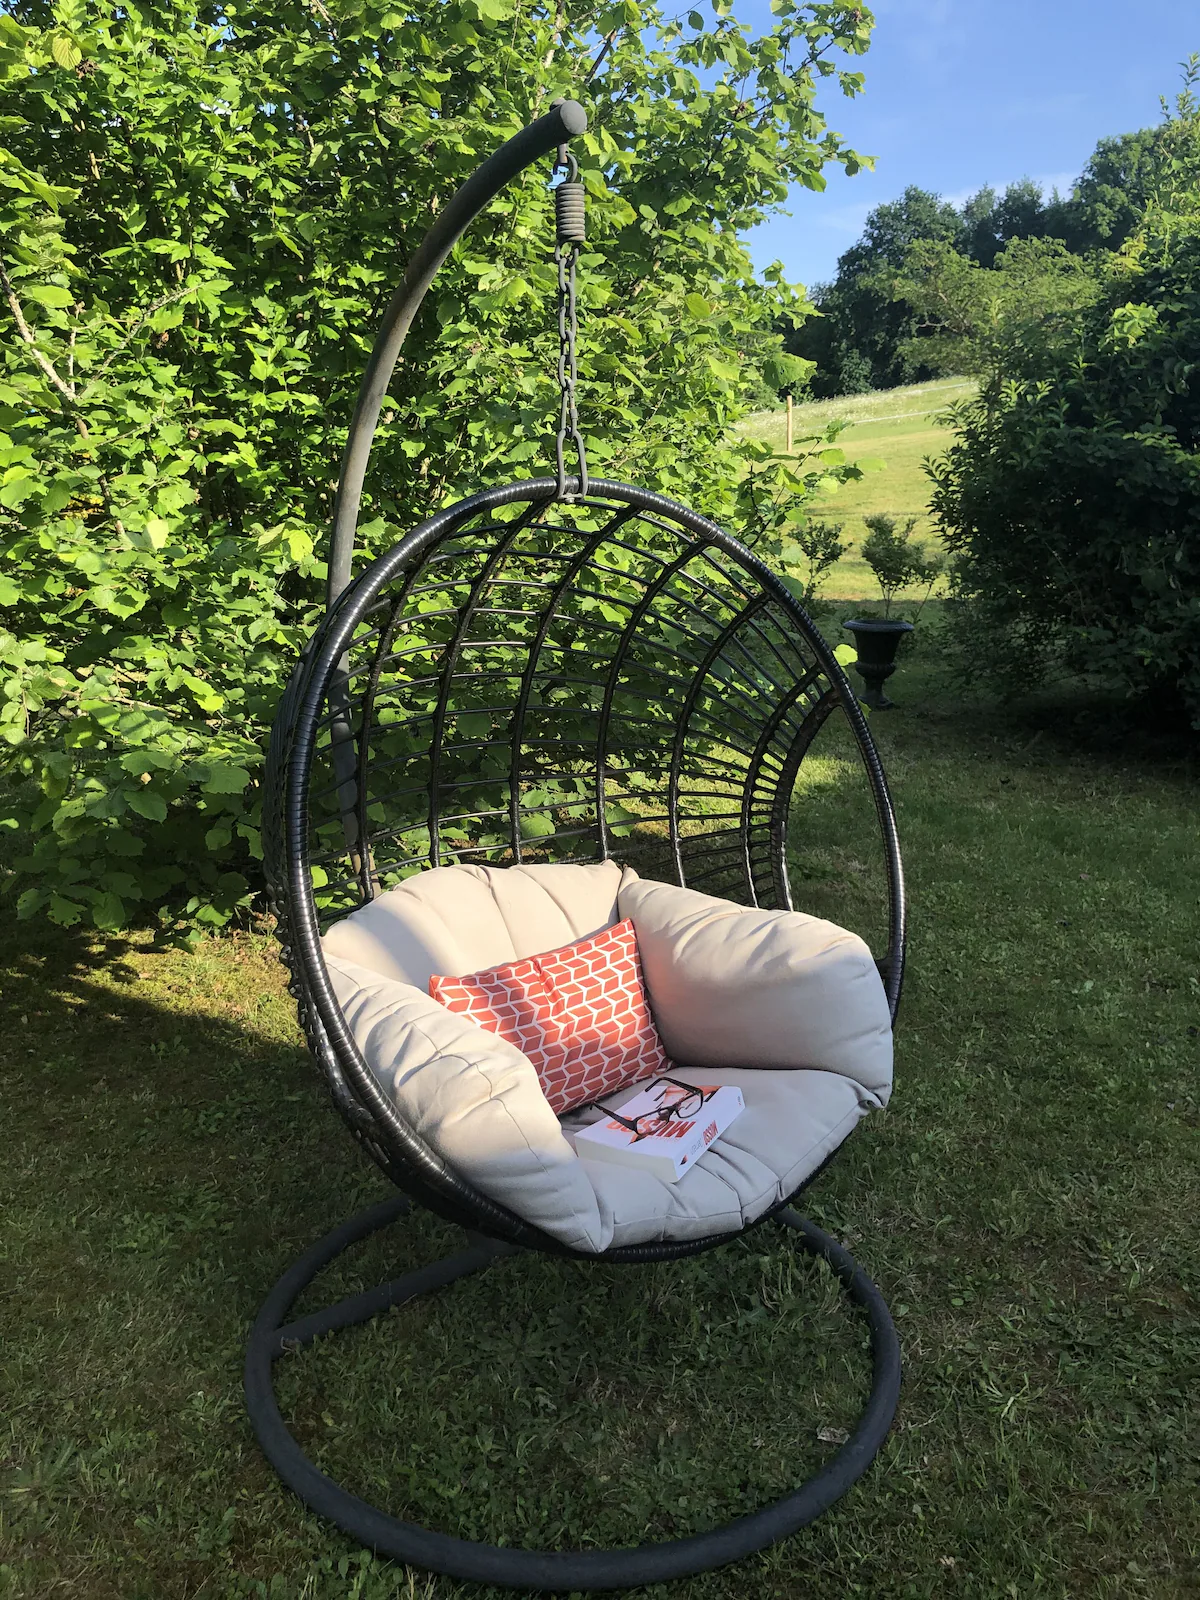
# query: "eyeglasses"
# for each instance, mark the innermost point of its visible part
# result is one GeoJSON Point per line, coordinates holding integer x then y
{"type": "Point", "coordinates": [686, 1102]}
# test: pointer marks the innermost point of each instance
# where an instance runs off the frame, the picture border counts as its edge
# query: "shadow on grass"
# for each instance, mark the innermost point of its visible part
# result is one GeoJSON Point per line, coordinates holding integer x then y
{"type": "Point", "coordinates": [139, 1075]}
{"type": "Point", "coordinates": [1027, 1203]}
{"type": "Point", "coordinates": [1069, 717]}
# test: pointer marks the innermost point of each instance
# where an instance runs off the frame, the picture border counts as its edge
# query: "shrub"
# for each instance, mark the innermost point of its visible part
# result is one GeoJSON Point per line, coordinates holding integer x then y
{"type": "Point", "coordinates": [808, 549]}
{"type": "Point", "coordinates": [896, 560]}
{"type": "Point", "coordinates": [1070, 498]}
{"type": "Point", "coordinates": [201, 212]}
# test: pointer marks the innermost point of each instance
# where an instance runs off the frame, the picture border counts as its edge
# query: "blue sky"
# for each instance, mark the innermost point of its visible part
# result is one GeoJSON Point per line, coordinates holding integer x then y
{"type": "Point", "coordinates": [960, 93]}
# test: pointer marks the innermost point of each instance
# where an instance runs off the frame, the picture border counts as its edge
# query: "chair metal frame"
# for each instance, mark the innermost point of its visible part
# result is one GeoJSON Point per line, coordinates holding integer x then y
{"type": "Point", "coordinates": [649, 657]}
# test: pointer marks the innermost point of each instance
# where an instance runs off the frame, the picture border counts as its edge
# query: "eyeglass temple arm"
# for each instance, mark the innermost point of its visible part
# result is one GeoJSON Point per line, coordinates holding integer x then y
{"type": "Point", "coordinates": [565, 120]}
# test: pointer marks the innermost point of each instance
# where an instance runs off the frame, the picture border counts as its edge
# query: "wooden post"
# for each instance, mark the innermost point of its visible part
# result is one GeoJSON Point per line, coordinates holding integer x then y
{"type": "Point", "coordinates": [789, 423]}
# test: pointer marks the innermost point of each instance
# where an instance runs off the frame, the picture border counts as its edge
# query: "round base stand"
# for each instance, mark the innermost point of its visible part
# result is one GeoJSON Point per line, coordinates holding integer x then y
{"type": "Point", "coordinates": [540, 1571]}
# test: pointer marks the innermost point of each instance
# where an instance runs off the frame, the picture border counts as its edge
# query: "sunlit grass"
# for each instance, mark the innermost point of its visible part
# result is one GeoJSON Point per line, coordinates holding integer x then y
{"type": "Point", "coordinates": [895, 426]}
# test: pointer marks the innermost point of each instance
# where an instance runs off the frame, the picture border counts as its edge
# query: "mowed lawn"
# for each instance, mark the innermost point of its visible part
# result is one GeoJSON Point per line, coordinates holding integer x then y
{"type": "Point", "coordinates": [1027, 1204]}
{"type": "Point", "coordinates": [898, 427]}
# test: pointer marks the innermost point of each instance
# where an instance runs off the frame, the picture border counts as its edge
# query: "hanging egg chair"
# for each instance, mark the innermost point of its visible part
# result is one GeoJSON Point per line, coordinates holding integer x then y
{"type": "Point", "coordinates": [555, 705]}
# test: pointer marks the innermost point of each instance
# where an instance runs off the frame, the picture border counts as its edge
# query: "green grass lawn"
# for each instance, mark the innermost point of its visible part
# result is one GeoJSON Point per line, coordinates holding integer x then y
{"type": "Point", "coordinates": [1027, 1204]}
{"type": "Point", "coordinates": [896, 426]}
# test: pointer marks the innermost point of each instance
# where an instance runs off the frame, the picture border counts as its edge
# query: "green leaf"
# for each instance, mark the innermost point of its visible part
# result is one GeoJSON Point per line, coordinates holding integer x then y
{"type": "Point", "coordinates": [253, 839]}
{"type": "Point", "coordinates": [30, 902]}
{"type": "Point", "coordinates": [223, 778]}
{"type": "Point", "coordinates": [730, 371]}
{"type": "Point", "coordinates": [65, 51]}
{"type": "Point", "coordinates": [108, 911]}
{"type": "Point", "coordinates": [621, 820]}
{"type": "Point", "coordinates": [65, 912]}
{"type": "Point", "coordinates": [146, 803]}
{"type": "Point", "coordinates": [18, 490]}
{"type": "Point", "coordinates": [49, 294]}
{"type": "Point", "coordinates": [147, 760]}
{"type": "Point", "coordinates": [225, 304]}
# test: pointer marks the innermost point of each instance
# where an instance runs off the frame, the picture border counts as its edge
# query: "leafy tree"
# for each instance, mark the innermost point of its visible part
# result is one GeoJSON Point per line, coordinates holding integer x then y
{"type": "Point", "coordinates": [1114, 189]}
{"type": "Point", "coordinates": [1070, 498]}
{"type": "Point", "coordinates": [965, 314]}
{"type": "Point", "coordinates": [869, 334]}
{"type": "Point", "coordinates": [853, 373]}
{"type": "Point", "coordinates": [897, 561]}
{"type": "Point", "coordinates": [202, 209]}
{"type": "Point", "coordinates": [979, 238]}
{"type": "Point", "coordinates": [893, 228]}
{"type": "Point", "coordinates": [991, 222]}
{"type": "Point", "coordinates": [865, 336]}
{"type": "Point", "coordinates": [861, 323]}
{"type": "Point", "coordinates": [1022, 213]}
{"type": "Point", "coordinates": [819, 548]}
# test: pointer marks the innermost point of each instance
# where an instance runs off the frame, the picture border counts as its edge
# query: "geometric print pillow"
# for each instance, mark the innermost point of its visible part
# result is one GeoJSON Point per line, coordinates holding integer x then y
{"type": "Point", "coordinates": [579, 1014]}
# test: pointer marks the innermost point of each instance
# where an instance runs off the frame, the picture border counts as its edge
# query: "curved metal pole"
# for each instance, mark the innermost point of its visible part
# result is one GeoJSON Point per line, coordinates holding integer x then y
{"type": "Point", "coordinates": [564, 121]}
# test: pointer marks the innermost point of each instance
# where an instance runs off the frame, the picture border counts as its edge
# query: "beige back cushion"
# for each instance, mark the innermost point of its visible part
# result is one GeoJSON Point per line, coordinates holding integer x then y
{"type": "Point", "coordinates": [462, 919]}
{"type": "Point", "coordinates": [732, 986]}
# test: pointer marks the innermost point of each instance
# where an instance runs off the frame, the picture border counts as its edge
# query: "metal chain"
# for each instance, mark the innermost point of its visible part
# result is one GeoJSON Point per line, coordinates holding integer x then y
{"type": "Point", "coordinates": [568, 204]}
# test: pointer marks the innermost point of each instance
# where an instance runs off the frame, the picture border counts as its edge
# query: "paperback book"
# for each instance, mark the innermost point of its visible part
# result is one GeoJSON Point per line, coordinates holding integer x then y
{"type": "Point", "coordinates": [664, 1129]}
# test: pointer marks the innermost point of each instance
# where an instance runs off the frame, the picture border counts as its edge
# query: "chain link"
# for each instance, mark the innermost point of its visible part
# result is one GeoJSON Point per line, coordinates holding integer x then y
{"type": "Point", "coordinates": [569, 211]}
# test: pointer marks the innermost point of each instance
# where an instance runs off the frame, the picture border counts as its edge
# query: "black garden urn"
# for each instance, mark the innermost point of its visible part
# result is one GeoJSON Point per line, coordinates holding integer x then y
{"type": "Point", "coordinates": [876, 640]}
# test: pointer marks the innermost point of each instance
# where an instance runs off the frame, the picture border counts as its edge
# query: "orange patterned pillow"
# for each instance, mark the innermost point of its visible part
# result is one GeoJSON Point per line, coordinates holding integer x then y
{"type": "Point", "coordinates": [579, 1014]}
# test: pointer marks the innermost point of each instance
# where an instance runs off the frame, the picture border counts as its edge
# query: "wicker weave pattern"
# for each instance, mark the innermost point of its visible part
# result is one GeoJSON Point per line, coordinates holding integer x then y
{"type": "Point", "coordinates": [525, 679]}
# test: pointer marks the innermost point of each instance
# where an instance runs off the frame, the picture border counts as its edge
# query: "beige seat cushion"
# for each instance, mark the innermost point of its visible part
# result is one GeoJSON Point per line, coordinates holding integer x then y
{"type": "Point", "coordinates": [474, 1098]}
{"type": "Point", "coordinates": [793, 993]}
{"type": "Point", "coordinates": [792, 1122]}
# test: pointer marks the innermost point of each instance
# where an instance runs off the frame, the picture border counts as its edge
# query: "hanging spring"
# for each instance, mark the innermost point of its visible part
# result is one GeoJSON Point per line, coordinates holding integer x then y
{"type": "Point", "coordinates": [570, 233]}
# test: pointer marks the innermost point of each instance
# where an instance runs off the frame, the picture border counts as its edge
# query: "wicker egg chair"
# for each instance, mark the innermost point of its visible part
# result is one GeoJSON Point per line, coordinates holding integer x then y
{"type": "Point", "coordinates": [555, 671]}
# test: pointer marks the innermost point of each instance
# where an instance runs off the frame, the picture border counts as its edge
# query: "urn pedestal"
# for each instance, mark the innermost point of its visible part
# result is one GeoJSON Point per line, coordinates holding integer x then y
{"type": "Point", "coordinates": [876, 640]}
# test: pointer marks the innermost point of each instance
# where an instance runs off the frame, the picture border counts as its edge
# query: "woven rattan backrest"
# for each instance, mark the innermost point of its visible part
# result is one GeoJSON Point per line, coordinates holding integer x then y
{"type": "Point", "coordinates": [545, 681]}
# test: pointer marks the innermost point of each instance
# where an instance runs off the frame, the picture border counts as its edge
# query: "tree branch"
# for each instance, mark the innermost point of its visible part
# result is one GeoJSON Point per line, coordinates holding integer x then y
{"type": "Point", "coordinates": [167, 299]}
{"type": "Point", "coordinates": [600, 59]}
{"type": "Point", "coordinates": [67, 390]}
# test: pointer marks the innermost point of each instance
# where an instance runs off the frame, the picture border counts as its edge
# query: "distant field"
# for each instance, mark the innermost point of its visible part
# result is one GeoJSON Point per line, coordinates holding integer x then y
{"type": "Point", "coordinates": [895, 426]}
